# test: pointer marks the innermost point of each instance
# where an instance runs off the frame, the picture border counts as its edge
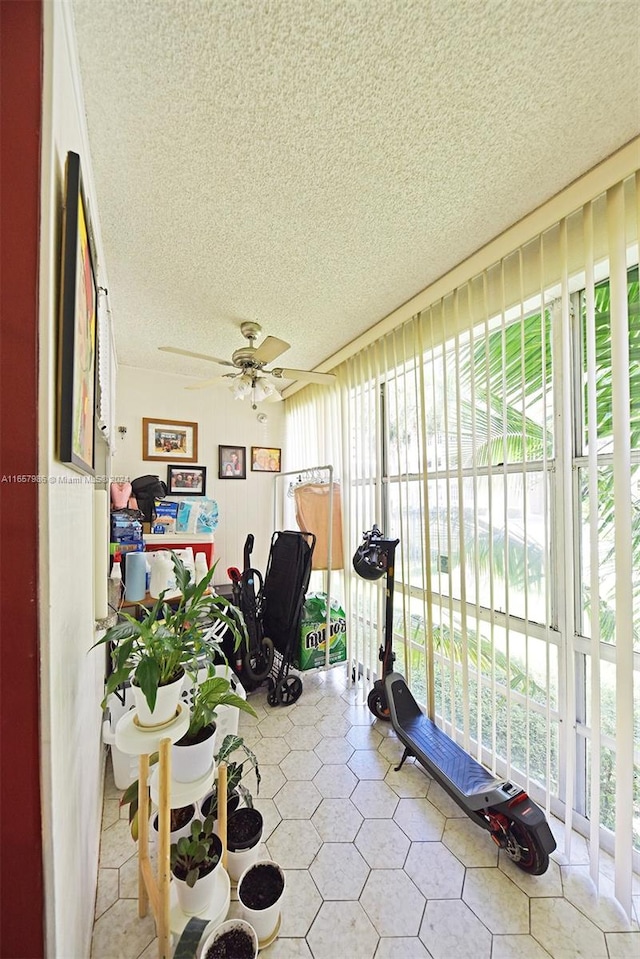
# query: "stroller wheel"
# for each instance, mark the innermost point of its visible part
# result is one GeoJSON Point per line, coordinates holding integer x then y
{"type": "Point", "coordinates": [258, 663]}
{"type": "Point", "coordinates": [289, 690]}
{"type": "Point", "coordinates": [272, 696]}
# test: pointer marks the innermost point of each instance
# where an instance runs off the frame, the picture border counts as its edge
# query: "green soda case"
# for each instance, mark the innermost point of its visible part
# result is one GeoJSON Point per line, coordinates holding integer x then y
{"type": "Point", "coordinates": [313, 630]}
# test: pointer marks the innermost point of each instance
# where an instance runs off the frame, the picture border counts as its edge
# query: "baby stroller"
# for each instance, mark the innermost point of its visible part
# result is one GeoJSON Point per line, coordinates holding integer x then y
{"type": "Point", "coordinates": [272, 609]}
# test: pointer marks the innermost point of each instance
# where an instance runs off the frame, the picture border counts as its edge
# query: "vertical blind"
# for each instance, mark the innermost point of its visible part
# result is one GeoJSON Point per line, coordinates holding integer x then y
{"type": "Point", "coordinates": [497, 434]}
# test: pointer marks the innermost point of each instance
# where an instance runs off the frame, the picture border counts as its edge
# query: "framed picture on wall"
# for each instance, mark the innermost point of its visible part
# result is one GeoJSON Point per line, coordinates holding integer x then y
{"type": "Point", "coordinates": [168, 440]}
{"type": "Point", "coordinates": [265, 459]}
{"type": "Point", "coordinates": [77, 345]}
{"type": "Point", "coordinates": [186, 480]}
{"type": "Point", "coordinates": [232, 462]}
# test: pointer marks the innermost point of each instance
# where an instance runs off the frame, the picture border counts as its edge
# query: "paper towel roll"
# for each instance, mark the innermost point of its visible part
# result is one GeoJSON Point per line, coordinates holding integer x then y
{"type": "Point", "coordinates": [100, 552]}
{"type": "Point", "coordinates": [135, 577]}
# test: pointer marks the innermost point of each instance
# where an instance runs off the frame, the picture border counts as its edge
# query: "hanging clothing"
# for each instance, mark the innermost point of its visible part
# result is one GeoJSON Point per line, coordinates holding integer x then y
{"type": "Point", "coordinates": [312, 516]}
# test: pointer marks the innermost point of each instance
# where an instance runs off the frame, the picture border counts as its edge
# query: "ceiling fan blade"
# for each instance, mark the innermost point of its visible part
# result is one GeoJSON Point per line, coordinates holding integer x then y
{"type": "Point", "coordinates": [307, 376]}
{"type": "Point", "coordinates": [197, 356]}
{"type": "Point", "coordinates": [202, 384]}
{"type": "Point", "coordinates": [269, 349]}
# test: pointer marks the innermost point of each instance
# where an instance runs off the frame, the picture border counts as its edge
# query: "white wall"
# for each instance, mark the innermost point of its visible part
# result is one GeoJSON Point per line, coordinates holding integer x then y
{"type": "Point", "coordinates": [71, 676]}
{"type": "Point", "coordinates": [245, 506]}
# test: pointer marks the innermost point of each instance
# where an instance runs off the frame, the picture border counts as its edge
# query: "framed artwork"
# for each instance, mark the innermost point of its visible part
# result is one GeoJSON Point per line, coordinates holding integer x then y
{"type": "Point", "coordinates": [186, 480]}
{"type": "Point", "coordinates": [167, 440]}
{"type": "Point", "coordinates": [232, 462]}
{"type": "Point", "coordinates": [77, 343]}
{"type": "Point", "coordinates": [265, 459]}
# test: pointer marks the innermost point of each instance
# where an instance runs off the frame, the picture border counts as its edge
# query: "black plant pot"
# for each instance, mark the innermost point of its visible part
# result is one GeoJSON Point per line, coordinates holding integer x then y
{"type": "Point", "coordinates": [244, 829]}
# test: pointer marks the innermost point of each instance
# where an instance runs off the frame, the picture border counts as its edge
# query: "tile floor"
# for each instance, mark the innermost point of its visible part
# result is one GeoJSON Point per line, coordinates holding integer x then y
{"type": "Point", "coordinates": [379, 864]}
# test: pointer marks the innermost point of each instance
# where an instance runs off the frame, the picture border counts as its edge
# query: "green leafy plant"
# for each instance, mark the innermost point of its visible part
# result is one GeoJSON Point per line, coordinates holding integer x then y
{"type": "Point", "coordinates": [170, 637]}
{"type": "Point", "coordinates": [235, 772]}
{"type": "Point", "coordinates": [199, 852]}
{"type": "Point", "coordinates": [208, 696]}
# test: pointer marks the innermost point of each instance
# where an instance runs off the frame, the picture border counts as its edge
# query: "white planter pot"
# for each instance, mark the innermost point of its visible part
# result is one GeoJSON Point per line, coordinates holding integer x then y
{"type": "Point", "coordinates": [265, 920]}
{"type": "Point", "coordinates": [197, 900]}
{"type": "Point", "coordinates": [178, 833]}
{"type": "Point", "coordinates": [192, 762]}
{"type": "Point", "coordinates": [229, 926]}
{"type": "Point", "coordinates": [166, 704]}
{"type": "Point", "coordinates": [240, 857]}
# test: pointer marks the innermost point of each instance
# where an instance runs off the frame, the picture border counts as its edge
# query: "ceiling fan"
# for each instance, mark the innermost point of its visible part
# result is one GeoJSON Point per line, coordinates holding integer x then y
{"type": "Point", "coordinates": [249, 363]}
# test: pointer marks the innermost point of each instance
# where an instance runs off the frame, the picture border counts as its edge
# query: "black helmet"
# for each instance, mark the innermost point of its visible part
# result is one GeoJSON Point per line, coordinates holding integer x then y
{"type": "Point", "coordinates": [370, 560]}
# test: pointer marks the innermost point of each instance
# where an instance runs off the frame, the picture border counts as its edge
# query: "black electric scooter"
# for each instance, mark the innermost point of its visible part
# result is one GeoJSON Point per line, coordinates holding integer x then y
{"type": "Point", "coordinates": [515, 822]}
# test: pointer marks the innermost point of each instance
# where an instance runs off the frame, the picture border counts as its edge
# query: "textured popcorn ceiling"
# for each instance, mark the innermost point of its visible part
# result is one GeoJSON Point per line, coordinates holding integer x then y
{"type": "Point", "coordinates": [313, 164]}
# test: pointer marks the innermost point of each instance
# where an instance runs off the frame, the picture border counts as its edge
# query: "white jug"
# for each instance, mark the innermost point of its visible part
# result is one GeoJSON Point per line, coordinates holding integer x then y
{"type": "Point", "coordinates": [162, 573]}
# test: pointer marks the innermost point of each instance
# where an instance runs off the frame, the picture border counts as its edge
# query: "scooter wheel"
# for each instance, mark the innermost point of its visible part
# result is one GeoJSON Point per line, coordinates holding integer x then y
{"type": "Point", "coordinates": [523, 847]}
{"type": "Point", "coordinates": [377, 703]}
{"type": "Point", "coordinates": [289, 690]}
{"type": "Point", "coordinates": [258, 664]}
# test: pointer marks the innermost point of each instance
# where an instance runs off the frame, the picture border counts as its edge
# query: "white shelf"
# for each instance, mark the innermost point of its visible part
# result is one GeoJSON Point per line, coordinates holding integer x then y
{"type": "Point", "coordinates": [141, 741]}
{"type": "Point", "coordinates": [182, 794]}
{"type": "Point", "coordinates": [168, 538]}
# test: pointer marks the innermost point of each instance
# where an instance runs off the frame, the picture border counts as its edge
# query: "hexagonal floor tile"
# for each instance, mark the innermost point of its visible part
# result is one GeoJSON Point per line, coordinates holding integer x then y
{"type": "Point", "coordinates": [303, 737]}
{"type": "Point", "coordinates": [401, 947]}
{"type": "Point", "coordinates": [275, 726]}
{"type": "Point", "coordinates": [270, 815]}
{"type": "Point", "coordinates": [288, 949]}
{"type": "Point", "coordinates": [421, 821]}
{"type": "Point", "coordinates": [600, 907]}
{"type": "Point", "coordinates": [410, 782]}
{"type": "Point", "coordinates": [368, 764]}
{"type": "Point", "coordinates": [392, 903]}
{"type": "Point", "coordinates": [549, 884]}
{"type": "Point", "coordinates": [359, 714]}
{"type": "Point", "coordinates": [300, 764]}
{"type": "Point", "coordinates": [246, 719]}
{"type": "Point", "coordinates": [107, 892]}
{"type": "Point", "coordinates": [339, 871]}
{"type": "Point", "coordinates": [294, 844]}
{"type": "Point", "coordinates": [564, 932]}
{"type": "Point", "coordinates": [443, 801]}
{"type": "Point", "coordinates": [487, 891]}
{"type": "Point", "coordinates": [270, 751]}
{"type": "Point", "coordinates": [382, 843]}
{"type": "Point", "coordinates": [435, 870]}
{"type": "Point", "coordinates": [333, 726]}
{"type": "Point", "coordinates": [331, 705]}
{"type": "Point", "coordinates": [304, 715]}
{"type": "Point", "coordinates": [271, 780]}
{"type": "Point", "coordinates": [342, 929]}
{"type": "Point", "coordinates": [364, 737]}
{"type": "Point", "coordinates": [335, 782]}
{"type": "Point", "coordinates": [517, 947]}
{"type": "Point", "coordinates": [116, 845]}
{"type": "Point", "coordinates": [297, 800]}
{"type": "Point", "coordinates": [120, 932]}
{"type": "Point", "coordinates": [337, 820]}
{"type": "Point", "coordinates": [334, 751]}
{"type": "Point", "coordinates": [449, 928]}
{"type": "Point", "coordinates": [392, 749]}
{"type": "Point", "coordinates": [623, 945]}
{"type": "Point", "coordinates": [374, 799]}
{"type": "Point", "coordinates": [300, 904]}
{"type": "Point", "coordinates": [470, 844]}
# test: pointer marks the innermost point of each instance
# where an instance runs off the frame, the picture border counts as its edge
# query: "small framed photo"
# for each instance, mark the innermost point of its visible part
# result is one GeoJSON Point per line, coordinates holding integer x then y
{"type": "Point", "coordinates": [167, 440]}
{"type": "Point", "coordinates": [186, 480]}
{"type": "Point", "coordinates": [265, 459]}
{"type": "Point", "coordinates": [232, 462]}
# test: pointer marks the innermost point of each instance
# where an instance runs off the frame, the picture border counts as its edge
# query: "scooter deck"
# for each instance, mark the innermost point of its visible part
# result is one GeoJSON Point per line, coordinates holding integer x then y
{"type": "Point", "coordinates": [434, 749]}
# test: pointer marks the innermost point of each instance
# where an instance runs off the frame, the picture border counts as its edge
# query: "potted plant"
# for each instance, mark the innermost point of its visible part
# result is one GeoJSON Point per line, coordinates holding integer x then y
{"type": "Point", "coordinates": [260, 891]}
{"type": "Point", "coordinates": [244, 832]}
{"type": "Point", "coordinates": [180, 820]}
{"type": "Point", "coordinates": [195, 860]}
{"type": "Point", "coordinates": [154, 652]}
{"type": "Point", "coordinates": [236, 790]}
{"type": "Point", "coordinates": [233, 939]}
{"type": "Point", "coordinates": [192, 756]}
